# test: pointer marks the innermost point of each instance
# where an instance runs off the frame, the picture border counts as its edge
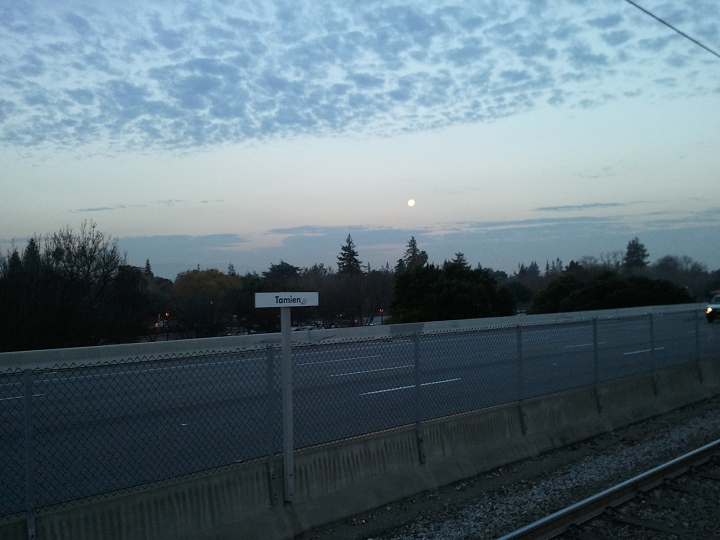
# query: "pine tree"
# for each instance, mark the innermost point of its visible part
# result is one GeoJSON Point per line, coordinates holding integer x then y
{"type": "Point", "coordinates": [533, 269]}
{"type": "Point", "coordinates": [348, 262]}
{"type": "Point", "coordinates": [413, 256]}
{"type": "Point", "coordinates": [458, 262]}
{"type": "Point", "coordinates": [636, 255]}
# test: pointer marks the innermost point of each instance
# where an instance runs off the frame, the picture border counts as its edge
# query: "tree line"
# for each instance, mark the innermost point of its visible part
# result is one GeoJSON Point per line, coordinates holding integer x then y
{"type": "Point", "coordinates": [72, 289]}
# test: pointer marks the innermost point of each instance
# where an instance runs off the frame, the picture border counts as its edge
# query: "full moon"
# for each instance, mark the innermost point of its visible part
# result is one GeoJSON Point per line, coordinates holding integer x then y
{"type": "Point", "coordinates": [411, 202]}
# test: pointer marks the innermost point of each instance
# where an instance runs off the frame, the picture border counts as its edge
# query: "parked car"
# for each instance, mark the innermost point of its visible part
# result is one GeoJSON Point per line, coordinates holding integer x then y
{"type": "Point", "coordinates": [713, 308]}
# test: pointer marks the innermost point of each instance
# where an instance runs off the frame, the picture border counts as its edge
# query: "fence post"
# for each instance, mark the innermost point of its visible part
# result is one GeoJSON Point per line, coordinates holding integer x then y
{"type": "Point", "coordinates": [270, 423]}
{"type": "Point", "coordinates": [520, 376]}
{"type": "Point", "coordinates": [287, 401]}
{"type": "Point", "coordinates": [697, 345]}
{"type": "Point", "coordinates": [29, 454]}
{"type": "Point", "coordinates": [418, 417]}
{"type": "Point", "coordinates": [596, 363]}
{"type": "Point", "coordinates": [652, 352]}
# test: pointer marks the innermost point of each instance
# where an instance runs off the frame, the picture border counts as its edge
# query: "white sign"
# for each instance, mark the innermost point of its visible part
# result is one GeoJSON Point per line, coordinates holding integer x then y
{"type": "Point", "coordinates": [286, 299]}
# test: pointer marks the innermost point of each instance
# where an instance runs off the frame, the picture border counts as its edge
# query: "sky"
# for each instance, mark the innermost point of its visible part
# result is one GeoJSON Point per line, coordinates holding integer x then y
{"type": "Point", "coordinates": [218, 132]}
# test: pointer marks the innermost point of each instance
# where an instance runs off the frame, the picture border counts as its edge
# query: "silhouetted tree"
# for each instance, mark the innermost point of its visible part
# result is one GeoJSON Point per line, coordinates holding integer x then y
{"type": "Point", "coordinates": [713, 283]}
{"type": "Point", "coordinates": [459, 262]}
{"type": "Point", "coordinates": [611, 260]}
{"type": "Point", "coordinates": [609, 290]}
{"type": "Point", "coordinates": [683, 272]}
{"type": "Point", "coordinates": [251, 319]}
{"type": "Point", "coordinates": [635, 256]}
{"type": "Point", "coordinates": [577, 269]}
{"type": "Point", "coordinates": [318, 278]}
{"type": "Point", "coordinates": [75, 290]}
{"type": "Point", "coordinates": [520, 293]}
{"type": "Point", "coordinates": [348, 261]}
{"type": "Point", "coordinates": [413, 257]}
{"type": "Point", "coordinates": [454, 291]}
{"type": "Point", "coordinates": [378, 292]}
{"type": "Point", "coordinates": [203, 301]}
{"type": "Point", "coordinates": [280, 276]}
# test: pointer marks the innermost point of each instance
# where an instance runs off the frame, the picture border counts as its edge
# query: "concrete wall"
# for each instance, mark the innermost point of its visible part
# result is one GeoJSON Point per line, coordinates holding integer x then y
{"type": "Point", "coordinates": [337, 481]}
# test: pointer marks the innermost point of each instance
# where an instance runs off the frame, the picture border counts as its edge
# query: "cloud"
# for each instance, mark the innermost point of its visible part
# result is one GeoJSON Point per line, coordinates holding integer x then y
{"type": "Point", "coordinates": [79, 24]}
{"type": "Point", "coordinates": [573, 208]}
{"type": "Point", "coordinates": [581, 55]}
{"type": "Point", "coordinates": [95, 209]}
{"type": "Point", "coordinates": [171, 76]}
{"type": "Point", "coordinates": [31, 65]}
{"type": "Point", "coordinates": [617, 37]}
{"type": "Point", "coordinates": [500, 245]}
{"type": "Point", "coordinates": [170, 39]}
{"type": "Point", "coordinates": [609, 21]}
{"type": "Point", "coordinates": [81, 96]}
{"type": "Point", "coordinates": [497, 244]}
{"type": "Point", "coordinates": [172, 254]}
{"type": "Point", "coordinates": [159, 202]}
{"type": "Point", "coordinates": [656, 44]}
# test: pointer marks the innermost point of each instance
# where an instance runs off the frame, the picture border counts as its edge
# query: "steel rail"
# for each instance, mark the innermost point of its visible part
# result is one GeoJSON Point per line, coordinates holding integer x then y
{"type": "Point", "coordinates": [583, 511]}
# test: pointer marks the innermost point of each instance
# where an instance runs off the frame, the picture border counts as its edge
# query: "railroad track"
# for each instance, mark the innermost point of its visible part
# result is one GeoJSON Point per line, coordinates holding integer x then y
{"type": "Point", "coordinates": [677, 500]}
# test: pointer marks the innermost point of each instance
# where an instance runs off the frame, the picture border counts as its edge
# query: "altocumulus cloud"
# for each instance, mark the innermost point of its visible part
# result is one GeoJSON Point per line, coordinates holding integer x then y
{"type": "Point", "coordinates": [177, 75]}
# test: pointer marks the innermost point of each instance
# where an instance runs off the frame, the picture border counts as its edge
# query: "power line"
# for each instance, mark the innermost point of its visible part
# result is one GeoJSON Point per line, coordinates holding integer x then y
{"type": "Point", "coordinates": [673, 28]}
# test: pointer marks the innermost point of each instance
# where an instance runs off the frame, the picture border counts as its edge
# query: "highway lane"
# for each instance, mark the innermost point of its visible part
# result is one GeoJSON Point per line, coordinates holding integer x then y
{"type": "Point", "coordinates": [110, 427]}
{"type": "Point", "coordinates": [160, 388]}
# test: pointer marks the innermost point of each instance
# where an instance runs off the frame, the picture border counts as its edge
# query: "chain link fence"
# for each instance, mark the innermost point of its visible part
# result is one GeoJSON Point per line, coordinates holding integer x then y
{"type": "Point", "coordinates": [78, 431]}
{"type": "Point", "coordinates": [71, 432]}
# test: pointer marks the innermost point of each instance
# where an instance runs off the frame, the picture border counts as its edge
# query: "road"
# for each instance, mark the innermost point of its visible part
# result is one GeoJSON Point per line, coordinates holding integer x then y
{"type": "Point", "coordinates": [120, 425]}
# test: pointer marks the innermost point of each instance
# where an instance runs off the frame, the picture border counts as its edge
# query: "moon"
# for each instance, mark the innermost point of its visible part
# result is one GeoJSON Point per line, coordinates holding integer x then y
{"type": "Point", "coordinates": [411, 202]}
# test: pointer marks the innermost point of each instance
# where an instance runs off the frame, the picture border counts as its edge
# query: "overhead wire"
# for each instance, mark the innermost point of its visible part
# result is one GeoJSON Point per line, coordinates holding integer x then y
{"type": "Point", "coordinates": [673, 28]}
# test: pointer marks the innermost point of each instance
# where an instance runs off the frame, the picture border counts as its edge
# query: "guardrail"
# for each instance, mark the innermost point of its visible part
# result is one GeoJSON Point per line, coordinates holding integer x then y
{"type": "Point", "coordinates": [85, 423]}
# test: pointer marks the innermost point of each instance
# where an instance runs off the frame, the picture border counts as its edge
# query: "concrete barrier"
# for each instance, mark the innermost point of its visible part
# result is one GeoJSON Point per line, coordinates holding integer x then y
{"type": "Point", "coordinates": [339, 480]}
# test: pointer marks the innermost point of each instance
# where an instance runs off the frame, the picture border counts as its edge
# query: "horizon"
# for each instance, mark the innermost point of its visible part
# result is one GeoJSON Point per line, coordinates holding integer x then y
{"type": "Point", "coordinates": [171, 270]}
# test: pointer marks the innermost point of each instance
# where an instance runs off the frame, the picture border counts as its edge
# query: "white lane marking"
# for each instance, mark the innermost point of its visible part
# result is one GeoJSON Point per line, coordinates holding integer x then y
{"type": "Point", "coordinates": [583, 345]}
{"type": "Point", "coordinates": [339, 360]}
{"type": "Point", "coordinates": [642, 351]}
{"type": "Point", "coordinates": [370, 371]}
{"type": "Point", "coordinates": [19, 397]}
{"type": "Point", "coordinates": [184, 366]}
{"type": "Point", "coordinates": [136, 371]}
{"type": "Point", "coordinates": [406, 387]}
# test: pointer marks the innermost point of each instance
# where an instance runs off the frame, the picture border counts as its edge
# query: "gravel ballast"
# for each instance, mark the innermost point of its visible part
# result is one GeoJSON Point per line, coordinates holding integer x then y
{"type": "Point", "coordinates": [496, 503]}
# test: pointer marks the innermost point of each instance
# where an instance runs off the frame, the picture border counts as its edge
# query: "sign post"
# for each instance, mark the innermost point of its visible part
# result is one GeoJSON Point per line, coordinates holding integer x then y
{"type": "Point", "coordinates": [285, 301]}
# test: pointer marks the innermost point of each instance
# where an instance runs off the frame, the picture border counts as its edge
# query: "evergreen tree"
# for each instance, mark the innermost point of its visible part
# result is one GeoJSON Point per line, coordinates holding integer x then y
{"type": "Point", "coordinates": [455, 291]}
{"type": "Point", "coordinates": [413, 257]}
{"type": "Point", "coordinates": [533, 269]}
{"type": "Point", "coordinates": [577, 292]}
{"type": "Point", "coordinates": [279, 276]}
{"type": "Point", "coordinates": [348, 262]}
{"type": "Point", "coordinates": [459, 262]}
{"type": "Point", "coordinates": [635, 256]}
